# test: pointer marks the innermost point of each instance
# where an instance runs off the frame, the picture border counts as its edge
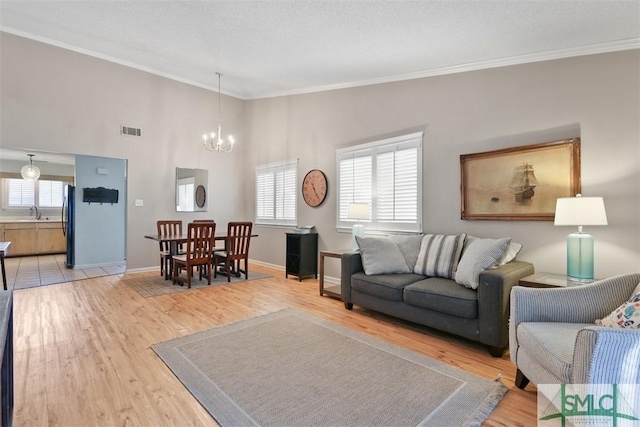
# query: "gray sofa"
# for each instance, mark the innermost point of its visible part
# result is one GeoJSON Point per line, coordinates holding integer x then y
{"type": "Point", "coordinates": [478, 314]}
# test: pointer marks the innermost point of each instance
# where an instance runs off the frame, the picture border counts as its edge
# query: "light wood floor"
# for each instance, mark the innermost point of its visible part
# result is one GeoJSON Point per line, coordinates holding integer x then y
{"type": "Point", "coordinates": [83, 356]}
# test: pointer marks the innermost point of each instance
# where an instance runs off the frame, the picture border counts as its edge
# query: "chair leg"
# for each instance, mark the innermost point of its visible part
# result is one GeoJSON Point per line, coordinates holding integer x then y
{"type": "Point", "coordinates": [521, 381]}
{"type": "Point", "coordinates": [208, 273]}
{"type": "Point", "coordinates": [175, 273]}
{"type": "Point", "coordinates": [189, 274]}
{"type": "Point", "coordinates": [228, 267]}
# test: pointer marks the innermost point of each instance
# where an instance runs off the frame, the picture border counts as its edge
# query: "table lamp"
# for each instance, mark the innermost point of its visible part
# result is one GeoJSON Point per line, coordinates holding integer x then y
{"type": "Point", "coordinates": [357, 211]}
{"type": "Point", "coordinates": [580, 211]}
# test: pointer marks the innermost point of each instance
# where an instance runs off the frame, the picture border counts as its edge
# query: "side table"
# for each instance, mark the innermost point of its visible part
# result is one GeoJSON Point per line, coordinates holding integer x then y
{"type": "Point", "coordinates": [548, 280]}
{"type": "Point", "coordinates": [335, 290]}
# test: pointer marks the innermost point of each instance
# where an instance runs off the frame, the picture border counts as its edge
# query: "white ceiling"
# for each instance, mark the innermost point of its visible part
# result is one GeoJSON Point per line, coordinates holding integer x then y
{"type": "Point", "coordinates": [269, 48]}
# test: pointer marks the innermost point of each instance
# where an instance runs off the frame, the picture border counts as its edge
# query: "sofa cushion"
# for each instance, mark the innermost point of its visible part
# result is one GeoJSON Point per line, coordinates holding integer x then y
{"type": "Point", "coordinates": [381, 256]}
{"type": "Point", "coordinates": [551, 345]}
{"type": "Point", "coordinates": [409, 245]}
{"type": "Point", "coordinates": [443, 295]}
{"type": "Point", "coordinates": [385, 286]}
{"type": "Point", "coordinates": [439, 255]}
{"type": "Point", "coordinates": [480, 254]}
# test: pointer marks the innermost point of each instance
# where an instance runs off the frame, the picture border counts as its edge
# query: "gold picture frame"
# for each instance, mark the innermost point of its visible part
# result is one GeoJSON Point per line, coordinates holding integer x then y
{"type": "Point", "coordinates": [519, 183]}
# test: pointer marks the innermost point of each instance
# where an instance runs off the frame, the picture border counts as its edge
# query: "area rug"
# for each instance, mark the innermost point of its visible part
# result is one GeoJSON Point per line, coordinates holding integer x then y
{"type": "Point", "coordinates": [291, 368]}
{"type": "Point", "coordinates": [152, 284]}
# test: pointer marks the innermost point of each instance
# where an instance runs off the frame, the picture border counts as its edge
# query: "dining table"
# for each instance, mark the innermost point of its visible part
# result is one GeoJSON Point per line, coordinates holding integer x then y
{"type": "Point", "coordinates": [175, 240]}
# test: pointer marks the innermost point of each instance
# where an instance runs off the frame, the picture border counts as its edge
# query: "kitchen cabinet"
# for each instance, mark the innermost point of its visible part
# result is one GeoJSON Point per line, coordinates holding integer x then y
{"type": "Point", "coordinates": [33, 238]}
{"type": "Point", "coordinates": [22, 236]}
{"type": "Point", "coordinates": [50, 238]}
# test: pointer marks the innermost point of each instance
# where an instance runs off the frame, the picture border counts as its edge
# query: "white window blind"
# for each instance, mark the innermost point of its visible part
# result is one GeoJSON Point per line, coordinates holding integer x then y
{"type": "Point", "coordinates": [50, 194]}
{"type": "Point", "coordinates": [276, 188]}
{"type": "Point", "coordinates": [20, 193]}
{"type": "Point", "coordinates": [387, 175]}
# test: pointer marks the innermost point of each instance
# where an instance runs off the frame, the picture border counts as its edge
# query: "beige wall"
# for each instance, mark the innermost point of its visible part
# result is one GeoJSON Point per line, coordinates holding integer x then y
{"type": "Point", "coordinates": [593, 97]}
{"type": "Point", "coordinates": [57, 100]}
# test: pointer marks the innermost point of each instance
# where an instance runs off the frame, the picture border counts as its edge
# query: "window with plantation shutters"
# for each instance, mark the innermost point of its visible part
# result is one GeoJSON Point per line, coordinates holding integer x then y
{"type": "Point", "coordinates": [276, 188]}
{"type": "Point", "coordinates": [50, 194]}
{"type": "Point", "coordinates": [387, 175]}
{"type": "Point", "coordinates": [20, 193]}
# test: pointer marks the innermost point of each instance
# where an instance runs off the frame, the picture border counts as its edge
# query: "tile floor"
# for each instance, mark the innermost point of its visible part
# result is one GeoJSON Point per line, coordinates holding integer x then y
{"type": "Point", "coordinates": [32, 271]}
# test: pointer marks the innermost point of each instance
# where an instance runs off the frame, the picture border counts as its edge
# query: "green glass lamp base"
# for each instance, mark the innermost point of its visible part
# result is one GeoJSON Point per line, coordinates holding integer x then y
{"type": "Point", "coordinates": [580, 257]}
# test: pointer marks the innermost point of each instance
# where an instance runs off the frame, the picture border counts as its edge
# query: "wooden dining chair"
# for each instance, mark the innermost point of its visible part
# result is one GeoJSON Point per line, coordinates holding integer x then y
{"type": "Point", "coordinates": [236, 250]}
{"type": "Point", "coordinates": [198, 252]}
{"type": "Point", "coordinates": [167, 228]}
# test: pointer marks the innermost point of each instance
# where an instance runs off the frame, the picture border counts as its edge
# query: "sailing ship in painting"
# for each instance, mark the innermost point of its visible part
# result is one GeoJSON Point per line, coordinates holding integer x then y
{"type": "Point", "coordinates": [523, 182]}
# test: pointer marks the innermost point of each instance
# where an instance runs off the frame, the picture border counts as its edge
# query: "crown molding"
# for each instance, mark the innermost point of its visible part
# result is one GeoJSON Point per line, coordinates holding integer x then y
{"type": "Point", "coordinates": [615, 46]}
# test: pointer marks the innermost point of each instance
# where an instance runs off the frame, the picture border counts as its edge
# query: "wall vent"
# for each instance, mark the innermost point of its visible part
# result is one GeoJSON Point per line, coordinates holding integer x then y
{"type": "Point", "coordinates": [126, 130]}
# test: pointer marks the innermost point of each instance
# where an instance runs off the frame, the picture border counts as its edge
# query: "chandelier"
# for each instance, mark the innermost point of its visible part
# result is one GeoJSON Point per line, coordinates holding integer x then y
{"type": "Point", "coordinates": [30, 172]}
{"type": "Point", "coordinates": [215, 142]}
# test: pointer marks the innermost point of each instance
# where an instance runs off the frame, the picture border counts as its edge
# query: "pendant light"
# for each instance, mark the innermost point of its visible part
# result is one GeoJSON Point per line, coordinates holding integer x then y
{"type": "Point", "coordinates": [215, 142]}
{"type": "Point", "coordinates": [30, 172]}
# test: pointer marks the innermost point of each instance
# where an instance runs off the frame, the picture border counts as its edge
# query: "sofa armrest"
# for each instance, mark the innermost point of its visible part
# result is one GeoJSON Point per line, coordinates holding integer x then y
{"type": "Point", "coordinates": [351, 263]}
{"type": "Point", "coordinates": [493, 300]}
{"type": "Point", "coordinates": [606, 356]}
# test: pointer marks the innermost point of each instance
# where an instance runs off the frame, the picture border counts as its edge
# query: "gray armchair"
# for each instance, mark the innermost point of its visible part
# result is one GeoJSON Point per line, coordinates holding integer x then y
{"type": "Point", "coordinates": [553, 338]}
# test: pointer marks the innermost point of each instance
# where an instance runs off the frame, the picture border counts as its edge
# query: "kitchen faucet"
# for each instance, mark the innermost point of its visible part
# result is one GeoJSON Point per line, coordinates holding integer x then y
{"type": "Point", "coordinates": [38, 214]}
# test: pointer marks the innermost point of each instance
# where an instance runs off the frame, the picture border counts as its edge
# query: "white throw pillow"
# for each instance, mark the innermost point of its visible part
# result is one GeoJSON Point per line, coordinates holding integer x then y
{"type": "Point", "coordinates": [477, 257]}
{"type": "Point", "coordinates": [381, 256]}
{"type": "Point", "coordinates": [627, 316]}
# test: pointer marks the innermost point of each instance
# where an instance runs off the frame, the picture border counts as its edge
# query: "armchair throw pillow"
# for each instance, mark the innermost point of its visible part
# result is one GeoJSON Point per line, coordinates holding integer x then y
{"type": "Point", "coordinates": [439, 255]}
{"type": "Point", "coordinates": [381, 256]}
{"type": "Point", "coordinates": [627, 316]}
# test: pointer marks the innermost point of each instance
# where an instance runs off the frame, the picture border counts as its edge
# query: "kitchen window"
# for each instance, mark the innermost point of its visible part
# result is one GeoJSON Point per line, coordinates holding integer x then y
{"type": "Point", "coordinates": [21, 194]}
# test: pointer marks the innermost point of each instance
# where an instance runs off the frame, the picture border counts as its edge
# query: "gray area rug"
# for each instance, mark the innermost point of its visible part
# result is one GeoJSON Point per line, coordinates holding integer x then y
{"type": "Point", "coordinates": [291, 368]}
{"type": "Point", "coordinates": [152, 284]}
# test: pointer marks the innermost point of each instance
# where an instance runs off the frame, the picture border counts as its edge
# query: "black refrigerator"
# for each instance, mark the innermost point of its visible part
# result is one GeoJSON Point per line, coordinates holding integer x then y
{"type": "Point", "coordinates": [69, 222]}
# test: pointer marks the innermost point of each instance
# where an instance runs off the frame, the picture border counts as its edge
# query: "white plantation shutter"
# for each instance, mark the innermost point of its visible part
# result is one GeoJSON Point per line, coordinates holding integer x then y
{"type": "Point", "coordinates": [276, 188]}
{"type": "Point", "coordinates": [386, 174]}
{"type": "Point", "coordinates": [50, 194]}
{"type": "Point", "coordinates": [20, 193]}
{"type": "Point", "coordinates": [355, 182]}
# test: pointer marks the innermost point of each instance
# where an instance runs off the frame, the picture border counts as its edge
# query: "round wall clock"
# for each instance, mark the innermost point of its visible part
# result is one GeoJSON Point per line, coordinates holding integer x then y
{"type": "Point", "coordinates": [201, 196]}
{"type": "Point", "coordinates": [314, 187]}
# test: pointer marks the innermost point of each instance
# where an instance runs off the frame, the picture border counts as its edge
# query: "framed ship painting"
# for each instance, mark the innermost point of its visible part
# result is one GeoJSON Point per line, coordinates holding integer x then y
{"type": "Point", "coordinates": [519, 183]}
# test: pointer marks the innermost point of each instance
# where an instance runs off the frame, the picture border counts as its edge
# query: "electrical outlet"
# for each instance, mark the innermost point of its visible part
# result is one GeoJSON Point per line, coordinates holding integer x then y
{"type": "Point", "coordinates": [139, 202]}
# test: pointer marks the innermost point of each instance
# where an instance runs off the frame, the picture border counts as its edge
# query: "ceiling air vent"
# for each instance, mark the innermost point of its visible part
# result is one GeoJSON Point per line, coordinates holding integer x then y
{"type": "Point", "coordinates": [126, 130]}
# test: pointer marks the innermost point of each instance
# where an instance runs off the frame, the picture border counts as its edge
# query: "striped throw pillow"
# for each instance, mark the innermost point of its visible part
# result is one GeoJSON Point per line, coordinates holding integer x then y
{"type": "Point", "coordinates": [439, 255]}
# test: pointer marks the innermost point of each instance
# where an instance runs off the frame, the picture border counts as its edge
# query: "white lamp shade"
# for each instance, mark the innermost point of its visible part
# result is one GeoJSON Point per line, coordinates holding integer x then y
{"type": "Point", "coordinates": [358, 211]}
{"type": "Point", "coordinates": [580, 211]}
